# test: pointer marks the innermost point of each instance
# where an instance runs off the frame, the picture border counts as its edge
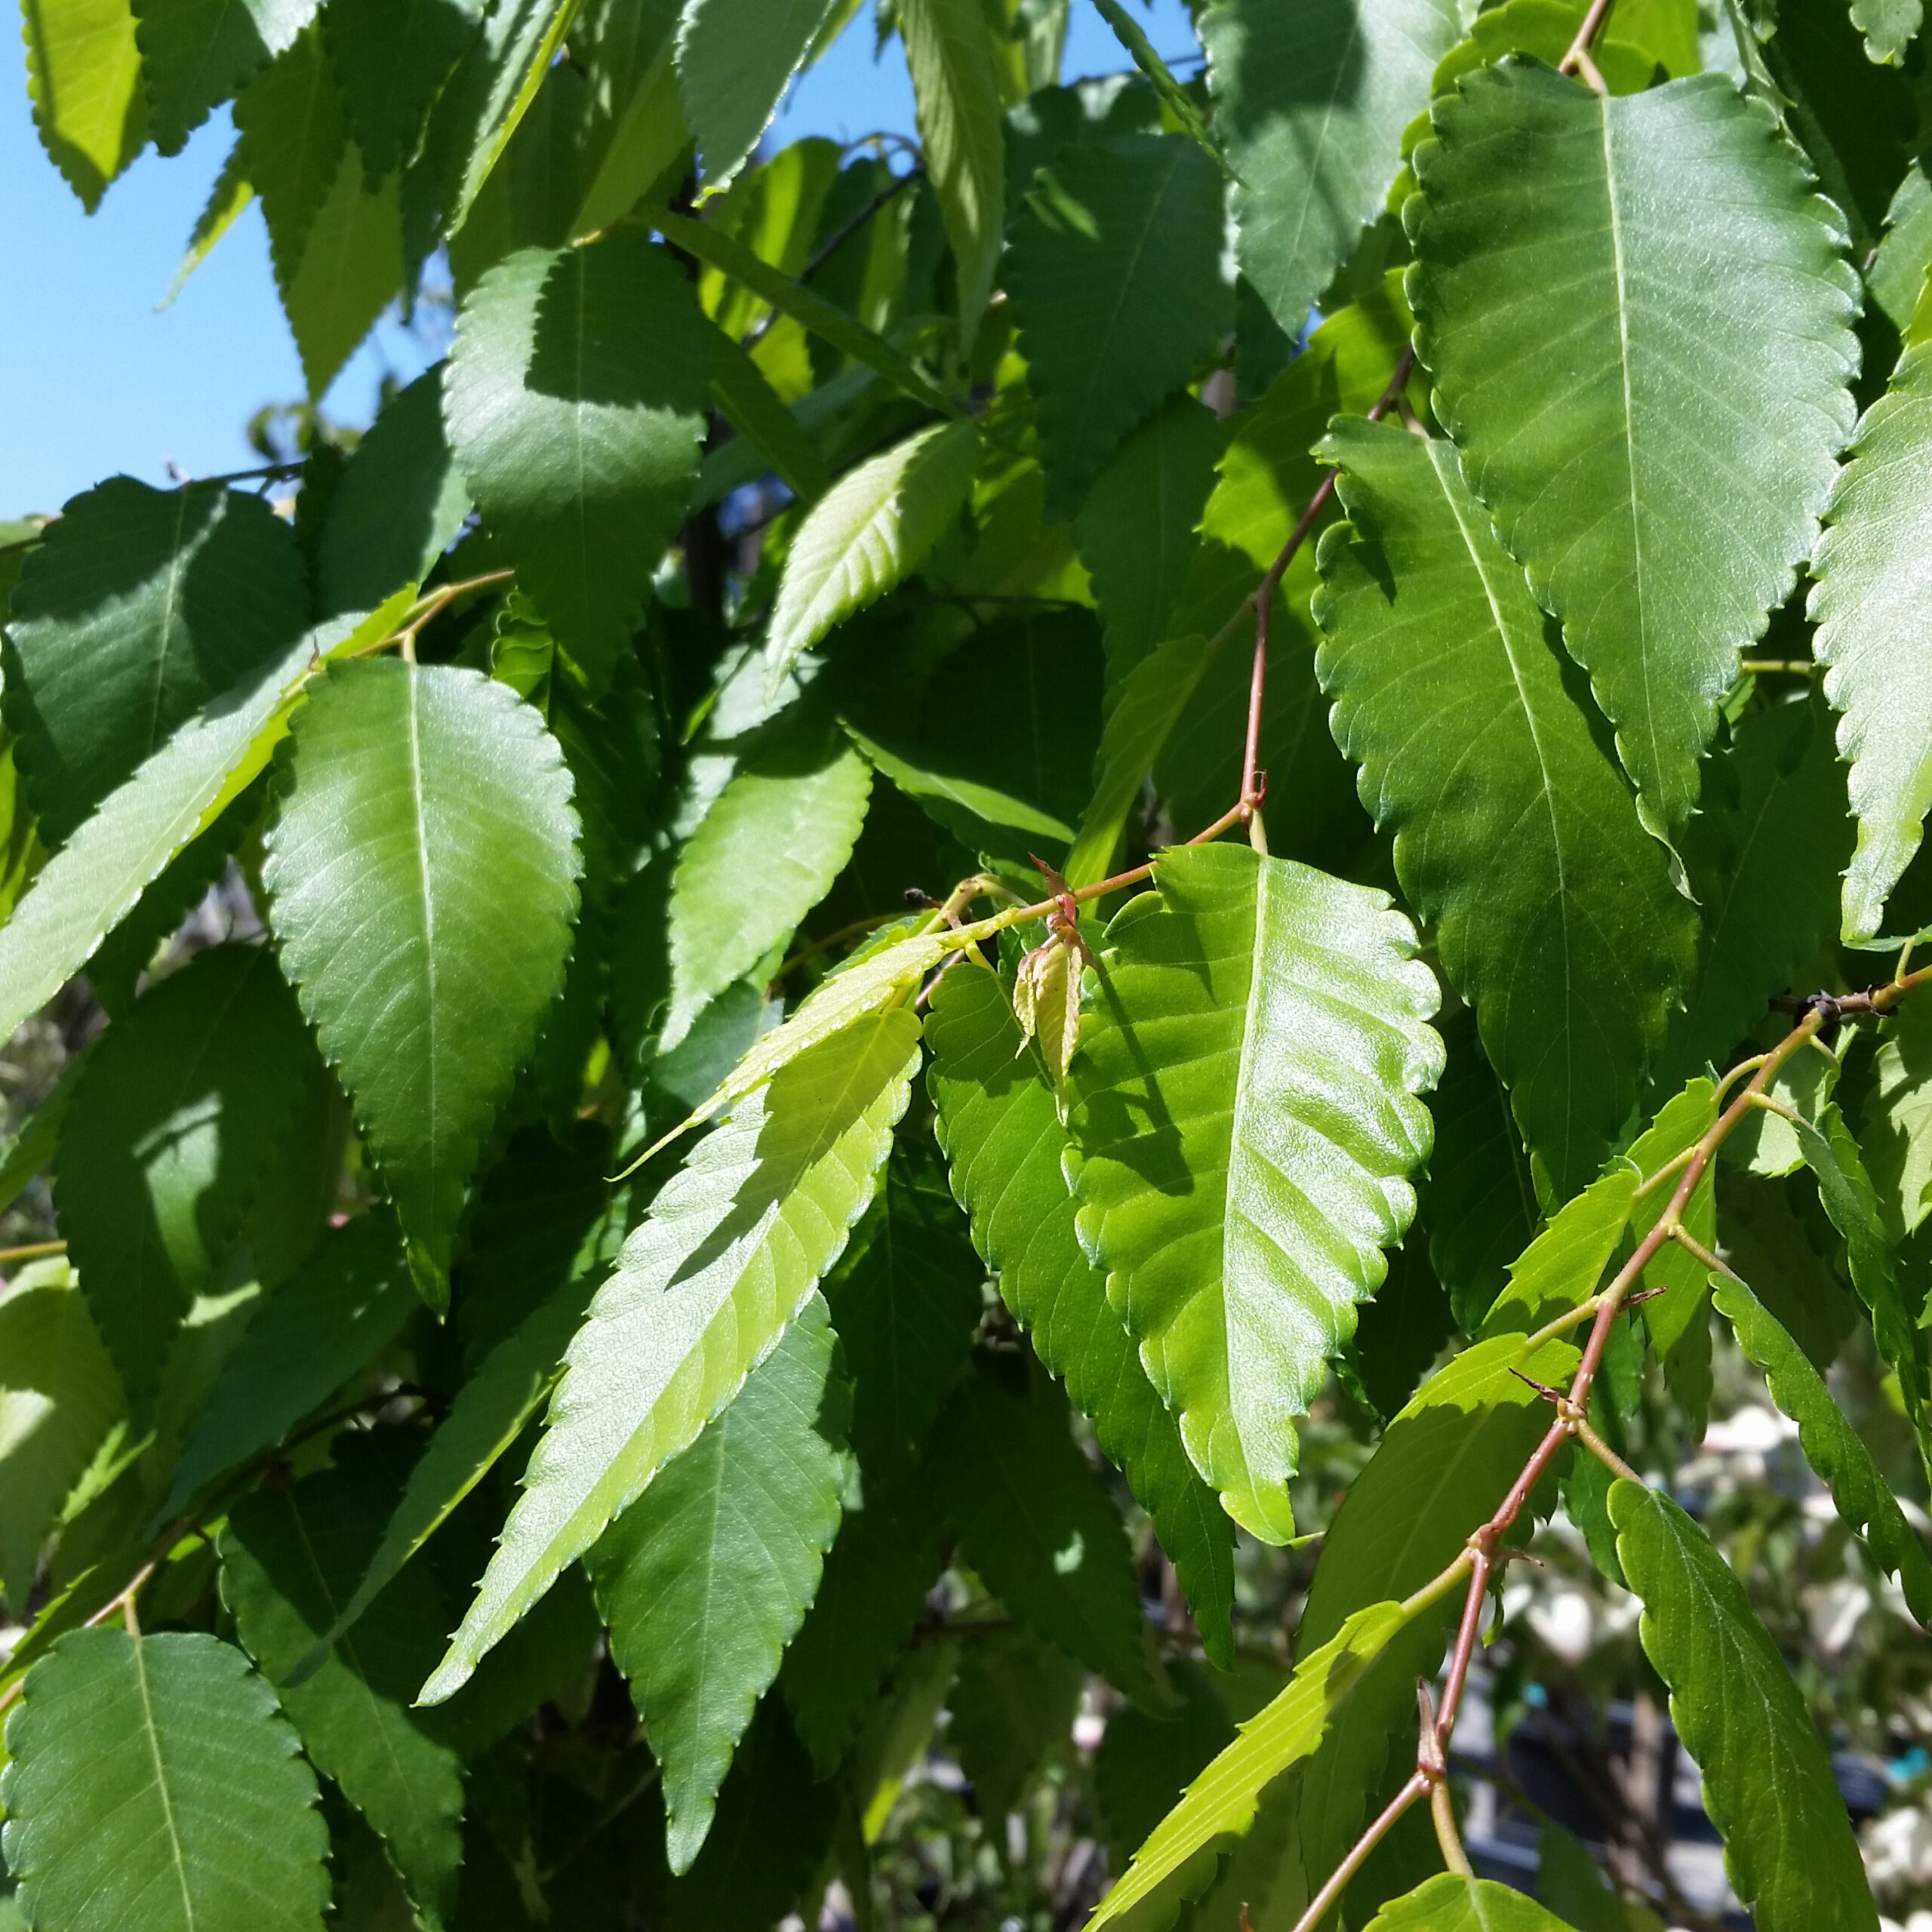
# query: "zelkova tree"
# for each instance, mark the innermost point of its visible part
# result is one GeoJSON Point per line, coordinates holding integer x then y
{"type": "Point", "coordinates": [1047, 922]}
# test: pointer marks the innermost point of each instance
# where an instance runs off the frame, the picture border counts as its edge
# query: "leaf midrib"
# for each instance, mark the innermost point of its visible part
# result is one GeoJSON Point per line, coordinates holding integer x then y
{"type": "Point", "coordinates": [151, 1733]}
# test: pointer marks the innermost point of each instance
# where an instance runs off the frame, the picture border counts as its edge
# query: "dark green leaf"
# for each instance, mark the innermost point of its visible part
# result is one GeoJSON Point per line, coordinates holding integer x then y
{"type": "Point", "coordinates": [735, 59]}
{"type": "Point", "coordinates": [1453, 1904]}
{"type": "Point", "coordinates": [196, 53]}
{"type": "Point", "coordinates": [1012, 1706]}
{"type": "Point", "coordinates": [391, 58]}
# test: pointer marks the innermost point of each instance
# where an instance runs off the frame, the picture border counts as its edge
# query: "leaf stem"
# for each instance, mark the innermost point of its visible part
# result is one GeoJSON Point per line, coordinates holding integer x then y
{"type": "Point", "coordinates": [32, 1250]}
{"type": "Point", "coordinates": [1418, 1786]}
{"type": "Point", "coordinates": [1577, 60]}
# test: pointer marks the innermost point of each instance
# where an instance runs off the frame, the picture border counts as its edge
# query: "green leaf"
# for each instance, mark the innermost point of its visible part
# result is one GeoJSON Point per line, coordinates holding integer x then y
{"type": "Point", "coordinates": [999, 1124]}
{"type": "Point", "coordinates": [58, 1397]}
{"type": "Point", "coordinates": [391, 60]}
{"type": "Point", "coordinates": [1136, 528]}
{"type": "Point", "coordinates": [705, 1579]}
{"type": "Point", "coordinates": [316, 1333]}
{"type": "Point", "coordinates": [173, 1126]}
{"type": "Point", "coordinates": [956, 92]}
{"type": "Point", "coordinates": [744, 1232]}
{"type": "Point", "coordinates": [634, 128]}
{"type": "Point", "coordinates": [137, 610]}
{"type": "Point", "coordinates": [1776, 1250]}
{"type": "Point", "coordinates": [292, 136]}
{"type": "Point", "coordinates": [575, 404]}
{"type": "Point", "coordinates": [1442, 1467]}
{"type": "Point", "coordinates": [745, 398]}
{"type": "Point", "coordinates": [1873, 635]}
{"type": "Point", "coordinates": [1599, 485]}
{"type": "Point", "coordinates": [1767, 1778]}
{"type": "Point", "coordinates": [1174, 97]}
{"type": "Point", "coordinates": [395, 507]}
{"type": "Point", "coordinates": [197, 53]}
{"type": "Point", "coordinates": [230, 197]}
{"type": "Point", "coordinates": [1118, 291]}
{"type": "Point", "coordinates": [735, 59]}
{"type": "Point", "coordinates": [494, 88]}
{"type": "Point", "coordinates": [713, 246]}
{"type": "Point", "coordinates": [870, 531]}
{"type": "Point", "coordinates": [1013, 1707]}
{"type": "Point", "coordinates": [158, 1769]}
{"type": "Point", "coordinates": [351, 265]}
{"type": "Point", "coordinates": [1033, 1520]}
{"type": "Point", "coordinates": [1431, 644]}
{"type": "Point", "coordinates": [1147, 1759]}
{"type": "Point", "coordinates": [1568, 1880]}
{"type": "Point", "coordinates": [288, 1559]}
{"type": "Point", "coordinates": [1832, 1446]}
{"type": "Point", "coordinates": [84, 78]}
{"type": "Point", "coordinates": [1310, 102]}
{"type": "Point", "coordinates": [1890, 26]}
{"type": "Point", "coordinates": [1453, 1904]}
{"type": "Point", "coordinates": [1765, 870]}
{"type": "Point", "coordinates": [1897, 1140]}
{"type": "Point", "coordinates": [1262, 1028]}
{"type": "Point", "coordinates": [427, 974]}
{"type": "Point", "coordinates": [1563, 1267]}
{"type": "Point", "coordinates": [764, 855]}
{"type": "Point", "coordinates": [1220, 1803]}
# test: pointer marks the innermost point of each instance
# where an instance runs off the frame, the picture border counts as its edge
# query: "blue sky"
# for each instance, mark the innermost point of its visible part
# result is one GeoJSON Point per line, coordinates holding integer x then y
{"type": "Point", "coordinates": [99, 378]}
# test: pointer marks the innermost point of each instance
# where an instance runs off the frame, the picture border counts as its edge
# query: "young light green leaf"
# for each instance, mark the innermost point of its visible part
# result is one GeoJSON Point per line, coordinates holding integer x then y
{"type": "Point", "coordinates": [1873, 636]}
{"type": "Point", "coordinates": [735, 59]}
{"type": "Point", "coordinates": [1000, 1126]}
{"type": "Point", "coordinates": [1310, 102]}
{"type": "Point", "coordinates": [1453, 1903]}
{"type": "Point", "coordinates": [1262, 1025]}
{"type": "Point", "coordinates": [1441, 1467]}
{"type": "Point", "coordinates": [871, 529]}
{"type": "Point", "coordinates": [744, 1233]}
{"type": "Point", "coordinates": [288, 1558]}
{"type": "Point", "coordinates": [137, 610]}
{"type": "Point", "coordinates": [58, 1397]}
{"type": "Point", "coordinates": [172, 1128]}
{"type": "Point", "coordinates": [948, 47]}
{"type": "Point", "coordinates": [1564, 1266]}
{"type": "Point", "coordinates": [158, 1769]}
{"type": "Point", "coordinates": [1522, 875]}
{"type": "Point", "coordinates": [490, 1413]}
{"type": "Point", "coordinates": [197, 53]}
{"type": "Point", "coordinates": [575, 403]}
{"type": "Point", "coordinates": [84, 78]}
{"type": "Point", "coordinates": [1597, 482]}
{"type": "Point", "coordinates": [350, 268]}
{"type": "Point", "coordinates": [316, 1332]}
{"type": "Point", "coordinates": [1033, 1520]}
{"type": "Point", "coordinates": [1220, 1803]}
{"type": "Point", "coordinates": [1897, 1138]}
{"type": "Point", "coordinates": [1767, 1780]}
{"type": "Point", "coordinates": [705, 1579]}
{"type": "Point", "coordinates": [427, 974]}
{"type": "Point", "coordinates": [1832, 1446]}
{"type": "Point", "coordinates": [1118, 291]}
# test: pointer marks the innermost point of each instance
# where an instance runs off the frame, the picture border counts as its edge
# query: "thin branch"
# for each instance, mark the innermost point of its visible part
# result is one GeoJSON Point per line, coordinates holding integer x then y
{"type": "Point", "coordinates": [836, 240]}
{"type": "Point", "coordinates": [1577, 60]}
{"type": "Point", "coordinates": [1418, 1786]}
{"type": "Point", "coordinates": [32, 1250]}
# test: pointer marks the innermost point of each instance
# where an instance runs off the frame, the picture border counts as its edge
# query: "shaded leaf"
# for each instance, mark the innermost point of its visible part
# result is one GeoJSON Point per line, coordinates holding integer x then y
{"type": "Point", "coordinates": [427, 975]}
{"type": "Point", "coordinates": [735, 61]}
{"type": "Point", "coordinates": [390, 61]}
{"type": "Point", "coordinates": [83, 78]}
{"type": "Point", "coordinates": [1897, 1138]}
{"type": "Point", "coordinates": [158, 1768]}
{"type": "Point", "coordinates": [745, 1233]}
{"type": "Point", "coordinates": [1768, 1780]}
{"type": "Point", "coordinates": [1259, 1024]}
{"type": "Point", "coordinates": [1564, 1266]}
{"type": "Point", "coordinates": [1453, 1904]}
{"type": "Point", "coordinates": [704, 1579]}
{"type": "Point", "coordinates": [1435, 652]}
{"type": "Point", "coordinates": [196, 53]}
{"type": "Point", "coordinates": [1012, 1706]}
{"type": "Point", "coordinates": [1597, 484]}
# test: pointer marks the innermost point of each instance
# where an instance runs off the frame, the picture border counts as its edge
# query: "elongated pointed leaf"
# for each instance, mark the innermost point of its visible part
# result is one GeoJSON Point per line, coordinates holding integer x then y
{"type": "Point", "coordinates": [196, 53]}
{"type": "Point", "coordinates": [390, 60]}
{"type": "Point", "coordinates": [1432, 644]}
{"type": "Point", "coordinates": [948, 47]}
{"type": "Point", "coordinates": [427, 974]}
{"type": "Point", "coordinates": [84, 78]}
{"type": "Point", "coordinates": [1451, 1903]}
{"type": "Point", "coordinates": [58, 1397]}
{"type": "Point", "coordinates": [1311, 102]}
{"type": "Point", "coordinates": [138, 608]}
{"type": "Point", "coordinates": [292, 136]}
{"type": "Point", "coordinates": [158, 1769]}
{"type": "Point", "coordinates": [172, 1129]}
{"type": "Point", "coordinates": [351, 265]}
{"type": "Point", "coordinates": [1768, 1778]}
{"type": "Point", "coordinates": [575, 401]}
{"type": "Point", "coordinates": [1173, 1865]}
{"type": "Point", "coordinates": [1564, 1266]}
{"type": "Point", "coordinates": [1592, 429]}
{"type": "Point", "coordinates": [1117, 289]}
{"type": "Point", "coordinates": [764, 855]}
{"type": "Point", "coordinates": [1246, 1118]}
{"type": "Point", "coordinates": [1443, 1465]}
{"type": "Point", "coordinates": [1033, 1520]}
{"type": "Point", "coordinates": [1000, 1126]}
{"type": "Point", "coordinates": [742, 1234]}
{"type": "Point", "coordinates": [745, 398]}
{"type": "Point", "coordinates": [735, 59]}
{"type": "Point", "coordinates": [705, 1579]}
{"type": "Point", "coordinates": [1873, 636]}
{"type": "Point", "coordinates": [875, 526]}
{"type": "Point", "coordinates": [316, 1332]}
{"type": "Point", "coordinates": [1832, 1446]}
{"type": "Point", "coordinates": [288, 1560]}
